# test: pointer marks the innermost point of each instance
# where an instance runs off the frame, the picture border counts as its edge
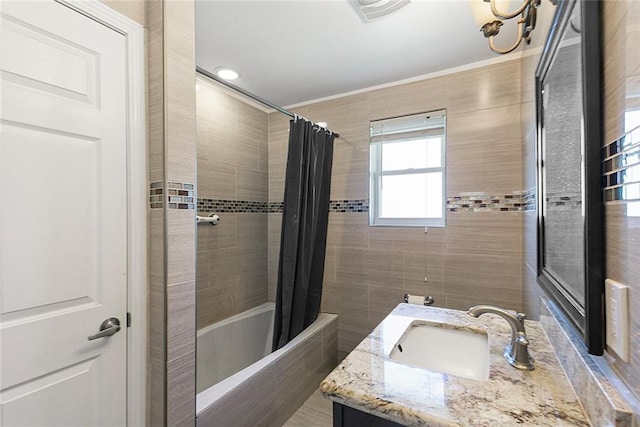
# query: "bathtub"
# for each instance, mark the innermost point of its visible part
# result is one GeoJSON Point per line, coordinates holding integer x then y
{"type": "Point", "coordinates": [241, 382]}
{"type": "Point", "coordinates": [246, 337]}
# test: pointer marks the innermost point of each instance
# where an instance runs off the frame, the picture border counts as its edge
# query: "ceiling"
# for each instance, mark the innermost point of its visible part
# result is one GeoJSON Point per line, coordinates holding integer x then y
{"type": "Point", "coordinates": [294, 51]}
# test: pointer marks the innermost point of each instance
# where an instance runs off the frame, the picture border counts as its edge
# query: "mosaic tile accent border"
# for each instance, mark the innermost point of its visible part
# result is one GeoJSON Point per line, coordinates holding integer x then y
{"type": "Point", "coordinates": [179, 195]}
{"type": "Point", "coordinates": [466, 202]}
{"type": "Point", "coordinates": [231, 206]}
{"type": "Point", "coordinates": [530, 201]}
{"type": "Point", "coordinates": [554, 202]}
{"type": "Point", "coordinates": [275, 207]}
{"type": "Point", "coordinates": [621, 168]}
{"type": "Point", "coordinates": [485, 202]}
{"type": "Point", "coordinates": [564, 201]}
{"type": "Point", "coordinates": [359, 205]}
{"type": "Point", "coordinates": [246, 206]}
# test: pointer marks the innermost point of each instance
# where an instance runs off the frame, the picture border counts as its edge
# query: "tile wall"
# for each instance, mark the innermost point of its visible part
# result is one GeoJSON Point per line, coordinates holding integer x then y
{"type": "Point", "coordinates": [171, 163]}
{"type": "Point", "coordinates": [597, 388]}
{"type": "Point", "coordinates": [232, 183]}
{"type": "Point", "coordinates": [621, 77]}
{"type": "Point", "coordinates": [531, 292]}
{"type": "Point", "coordinates": [156, 372]}
{"type": "Point", "coordinates": [621, 20]}
{"type": "Point", "coordinates": [477, 258]}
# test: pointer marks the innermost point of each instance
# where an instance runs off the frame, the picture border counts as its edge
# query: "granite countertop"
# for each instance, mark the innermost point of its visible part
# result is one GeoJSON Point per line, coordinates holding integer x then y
{"type": "Point", "coordinates": [369, 381]}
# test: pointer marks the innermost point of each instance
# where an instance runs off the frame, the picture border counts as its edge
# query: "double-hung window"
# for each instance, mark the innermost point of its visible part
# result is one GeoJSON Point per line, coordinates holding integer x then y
{"type": "Point", "coordinates": [408, 171]}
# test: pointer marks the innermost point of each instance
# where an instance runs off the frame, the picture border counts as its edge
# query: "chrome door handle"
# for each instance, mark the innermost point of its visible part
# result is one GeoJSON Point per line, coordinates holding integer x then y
{"type": "Point", "coordinates": [107, 328]}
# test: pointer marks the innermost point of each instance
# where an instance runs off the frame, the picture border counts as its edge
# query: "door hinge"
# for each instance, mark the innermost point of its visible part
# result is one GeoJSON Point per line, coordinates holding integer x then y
{"type": "Point", "coordinates": [128, 320]}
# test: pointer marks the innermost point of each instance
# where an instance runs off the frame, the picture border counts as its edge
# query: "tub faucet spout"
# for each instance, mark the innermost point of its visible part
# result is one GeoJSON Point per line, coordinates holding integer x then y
{"type": "Point", "coordinates": [517, 352]}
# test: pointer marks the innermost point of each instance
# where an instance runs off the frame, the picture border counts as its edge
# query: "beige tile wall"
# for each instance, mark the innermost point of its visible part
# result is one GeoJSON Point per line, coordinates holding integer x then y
{"type": "Point", "coordinates": [171, 153]}
{"type": "Point", "coordinates": [621, 20]}
{"type": "Point", "coordinates": [180, 166]}
{"type": "Point", "coordinates": [531, 290]}
{"type": "Point", "coordinates": [232, 165]}
{"type": "Point", "coordinates": [156, 373]}
{"type": "Point", "coordinates": [621, 67]}
{"type": "Point", "coordinates": [477, 258]}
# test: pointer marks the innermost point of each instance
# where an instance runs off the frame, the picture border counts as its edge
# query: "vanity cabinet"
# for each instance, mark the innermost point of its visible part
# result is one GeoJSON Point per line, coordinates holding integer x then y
{"type": "Point", "coordinates": [345, 416]}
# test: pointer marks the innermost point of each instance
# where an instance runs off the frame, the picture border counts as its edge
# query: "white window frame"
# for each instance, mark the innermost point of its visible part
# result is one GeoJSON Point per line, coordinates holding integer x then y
{"type": "Point", "coordinates": [376, 174]}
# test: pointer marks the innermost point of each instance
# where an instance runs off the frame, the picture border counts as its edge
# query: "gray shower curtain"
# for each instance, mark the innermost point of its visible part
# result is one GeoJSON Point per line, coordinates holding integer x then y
{"type": "Point", "coordinates": [304, 230]}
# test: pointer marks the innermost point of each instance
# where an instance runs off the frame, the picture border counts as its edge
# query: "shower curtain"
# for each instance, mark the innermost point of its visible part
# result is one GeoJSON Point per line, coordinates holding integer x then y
{"type": "Point", "coordinates": [304, 230]}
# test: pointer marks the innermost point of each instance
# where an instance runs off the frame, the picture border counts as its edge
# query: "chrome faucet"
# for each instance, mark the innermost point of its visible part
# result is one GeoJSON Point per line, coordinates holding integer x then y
{"type": "Point", "coordinates": [516, 353]}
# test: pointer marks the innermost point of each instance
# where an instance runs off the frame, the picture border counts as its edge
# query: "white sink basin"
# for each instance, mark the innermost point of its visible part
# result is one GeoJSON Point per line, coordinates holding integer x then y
{"type": "Point", "coordinates": [443, 348]}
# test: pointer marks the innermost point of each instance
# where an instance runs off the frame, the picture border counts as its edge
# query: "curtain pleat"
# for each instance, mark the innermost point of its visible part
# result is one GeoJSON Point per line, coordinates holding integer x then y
{"type": "Point", "coordinates": [303, 240]}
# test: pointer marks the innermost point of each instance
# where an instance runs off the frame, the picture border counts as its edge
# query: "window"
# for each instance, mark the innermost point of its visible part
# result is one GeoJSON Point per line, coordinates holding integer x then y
{"type": "Point", "coordinates": [407, 171]}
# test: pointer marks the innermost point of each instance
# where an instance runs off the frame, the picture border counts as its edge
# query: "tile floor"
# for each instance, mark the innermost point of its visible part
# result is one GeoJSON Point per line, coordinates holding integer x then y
{"type": "Point", "coordinates": [316, 412]}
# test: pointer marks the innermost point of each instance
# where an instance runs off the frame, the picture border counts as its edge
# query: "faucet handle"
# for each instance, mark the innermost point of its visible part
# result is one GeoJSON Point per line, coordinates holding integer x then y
{"type": "Point", "coordinates": [522, 339]}
{"type": "Point", "coordinates": [521, 317]}
{"type": "Point", "coordinates": [517, 354]}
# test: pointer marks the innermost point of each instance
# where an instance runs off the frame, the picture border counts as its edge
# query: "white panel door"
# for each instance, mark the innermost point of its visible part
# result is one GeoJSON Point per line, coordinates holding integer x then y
{"type": "Point", "coordinates": [63, 224]}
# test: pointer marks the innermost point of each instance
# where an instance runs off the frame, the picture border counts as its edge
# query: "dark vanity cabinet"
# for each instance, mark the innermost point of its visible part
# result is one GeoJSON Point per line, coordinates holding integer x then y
{"type": "Point", "coordinates": [345, 416]}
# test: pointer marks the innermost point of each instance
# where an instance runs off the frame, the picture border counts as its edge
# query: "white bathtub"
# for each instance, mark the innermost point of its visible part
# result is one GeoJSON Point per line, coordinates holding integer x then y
{"type": "Point", "coordinates": [242, 340]}
{"type": "Point", "coordinates": [238, 378]}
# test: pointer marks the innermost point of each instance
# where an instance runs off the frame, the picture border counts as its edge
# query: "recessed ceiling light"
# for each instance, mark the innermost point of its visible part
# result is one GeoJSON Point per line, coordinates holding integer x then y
{"type": "Point", "coordinates": [226, 73]}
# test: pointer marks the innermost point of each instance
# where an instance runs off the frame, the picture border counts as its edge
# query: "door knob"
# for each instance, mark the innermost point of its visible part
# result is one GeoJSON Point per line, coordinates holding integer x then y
{"type": "Point", "coordinates": [107, 328]}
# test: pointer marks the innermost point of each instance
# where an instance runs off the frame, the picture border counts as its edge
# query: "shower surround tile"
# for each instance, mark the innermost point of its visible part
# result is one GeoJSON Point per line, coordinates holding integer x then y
{"type": "Point", "coordinates": [182, 381]}
{"type": "Point", "coordinates": [179, 177]}
{"type": "Point", "coordinates": [294, 371]}
{"type": "Point", "coordinates": [176, 195]}
{"type": "Point", "coordinates": [232, 183]}
{"type": "Point", "coordinates": [171, 173]}
{"type": "Point", "coordinates": [351, 300]}
{"type": "Point", "coordinates": [181, 299]}
{"type": "Point", "coordinates": [231, 206]}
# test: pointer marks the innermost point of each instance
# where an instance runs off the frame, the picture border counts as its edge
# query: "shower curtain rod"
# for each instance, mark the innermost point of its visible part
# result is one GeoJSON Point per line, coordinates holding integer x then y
{"type": "Point", "coordinates": [252, 96]}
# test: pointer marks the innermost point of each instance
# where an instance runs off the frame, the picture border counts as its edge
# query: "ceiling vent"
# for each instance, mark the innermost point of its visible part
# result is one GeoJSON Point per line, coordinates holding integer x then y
{"type": "Point", "coordinates": [370, 10]}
